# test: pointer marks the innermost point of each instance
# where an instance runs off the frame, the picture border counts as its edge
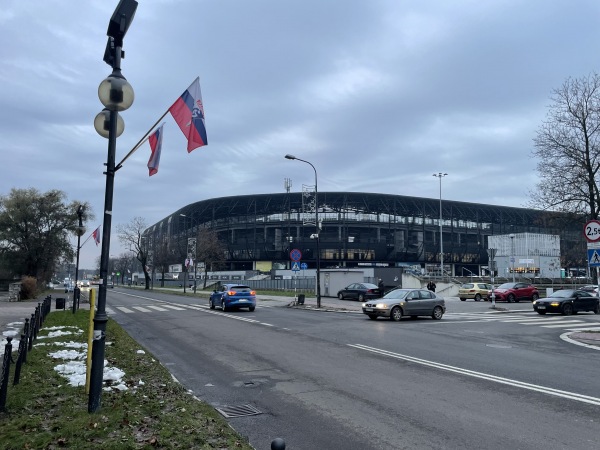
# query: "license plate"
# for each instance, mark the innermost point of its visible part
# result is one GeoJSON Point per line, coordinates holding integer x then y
{"type": "Point", "coordinates": [541, 307]}
{"type": "Point", "coordinates": [242, 300]}
{"type": "Point", "coordinates": [369, 309]}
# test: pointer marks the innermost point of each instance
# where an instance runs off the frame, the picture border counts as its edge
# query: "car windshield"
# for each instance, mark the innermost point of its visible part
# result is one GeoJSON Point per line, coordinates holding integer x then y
{"type": "Point", "coordinates": [240, 288]}
{"type": "Point", "coordinates": [467, 286]}
{"type": "Point", "coordinates": [398, 293]}
{"type": "Point", "coordinates": [563, 293]}
{"type": "Point", "coordinates": [507, 286]}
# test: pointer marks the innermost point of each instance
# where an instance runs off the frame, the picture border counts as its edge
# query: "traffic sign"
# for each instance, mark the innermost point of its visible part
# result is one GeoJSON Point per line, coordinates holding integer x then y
{"type": "Point", "coordinates": [594, 257]}
{"type": "Point", "coordinates": [591, 230]}
{"type": "Point", "coordinates": [295, 255]}
{"type": "Point", "coordinates": [304, 266]}
{"type": "Point", "coordinates": [295, 267]}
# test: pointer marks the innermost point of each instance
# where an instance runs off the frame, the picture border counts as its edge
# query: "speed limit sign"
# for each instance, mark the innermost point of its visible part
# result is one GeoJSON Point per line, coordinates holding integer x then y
{"type": "Point", "coordinates": [591, 231]}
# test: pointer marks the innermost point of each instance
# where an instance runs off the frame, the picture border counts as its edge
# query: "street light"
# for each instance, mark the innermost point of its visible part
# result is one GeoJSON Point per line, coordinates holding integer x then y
{"type": "Point", "coordinates": [116, 94]}
{"type": "Point", "coordinates": [79, 230]}
{"type": "Point", "coordinates": [317, 229]}
{"type": "Point", "coordinates": [512, 254]}
{"type": "Point", "coordinates": [191, 243]}
{"type": "Point", "coordinates": [441, 175]}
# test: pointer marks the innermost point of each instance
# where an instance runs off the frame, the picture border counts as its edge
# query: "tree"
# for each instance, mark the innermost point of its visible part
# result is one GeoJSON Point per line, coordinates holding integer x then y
{"type": "Point", "coordinates": [210, 250]}
{"type": "Point", "coordinates": [162, 257]}
{"type": "Point", "coordinates": [131, 235]}
{"type": "Point", "coordinates": [35, 231]}
{"type": "Point", "coordinates": [567, 146]}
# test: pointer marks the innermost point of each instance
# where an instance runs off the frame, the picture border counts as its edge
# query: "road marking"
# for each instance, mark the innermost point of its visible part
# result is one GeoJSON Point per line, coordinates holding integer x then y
{"type": "Point", "coordinates": [582, 328]}
{"type": "Point", "coordinates": [141, 308]}
{"type": "Point", "coordinates": [564, 324]}
{"type": "Point", "coordinates": [125, 310]}
{"type": "Point", "coordinates": [176, 308]}
{"type": "Point", "coordinates": [484, 376]}
{"type": "Point", "coordinates": [157, 308]}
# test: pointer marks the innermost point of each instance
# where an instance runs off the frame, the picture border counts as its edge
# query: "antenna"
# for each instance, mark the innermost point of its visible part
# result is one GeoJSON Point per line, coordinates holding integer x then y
{"type": "Point", "coordinates": [287, 184]}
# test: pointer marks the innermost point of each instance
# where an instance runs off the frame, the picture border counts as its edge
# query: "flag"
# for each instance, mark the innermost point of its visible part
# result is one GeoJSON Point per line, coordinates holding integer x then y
{"type": "Point", "coordinates": [155, 140]}
{"type": "Point", "coordinates": [188, 112]}
{"type": "Point", "coordinates": [96, 236]}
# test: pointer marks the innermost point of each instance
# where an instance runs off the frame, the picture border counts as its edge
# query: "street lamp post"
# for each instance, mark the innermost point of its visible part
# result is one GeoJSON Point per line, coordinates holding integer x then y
{"type": "Point", "coordinates": [317, 229]}
{"type": "Point", "coordinates": [192, 243]}
{"type": "Point", "coordinates": [116, 94]}
{"type": "Point", "coordinates": [79, 230]}
{"type": "Point", "coordinates": [441, 175]}
{"type": "Point", "coordinates": [512, 255]}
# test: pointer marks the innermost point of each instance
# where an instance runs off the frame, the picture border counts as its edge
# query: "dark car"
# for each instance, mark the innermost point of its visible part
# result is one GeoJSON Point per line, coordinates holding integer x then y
{"type": "Point", "coordinates": [360, 292]}
{"type": "Point", "coordinates": [398, 303]}
{"type": "Point", "coordinates": [515, 292]}
{"type": "Point", "coordinates": [233, 296]}
{"type": "Point", "coordinates": [567, 302]}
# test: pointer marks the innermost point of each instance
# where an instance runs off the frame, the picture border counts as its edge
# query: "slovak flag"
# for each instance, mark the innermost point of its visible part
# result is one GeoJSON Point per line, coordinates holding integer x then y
{"type": "Point", "coordinates": [96, 236]}
{"type": "Point", "coordinates": [188, 112]}
{"type": "Point", "coordinates": [155, 140]}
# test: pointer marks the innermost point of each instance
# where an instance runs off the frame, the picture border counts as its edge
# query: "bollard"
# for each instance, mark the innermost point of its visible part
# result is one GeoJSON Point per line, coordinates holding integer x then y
{"type": "Point", "coordinates": [278, 444]}
{"type": "Point", "coordinates": [5, 373]}
{"type": "Point", "coordinates": [31, 327]}
{"type": "Point", "coordinates": [20, 359]}
{"type": "Point", "coordinates": [25, 338]}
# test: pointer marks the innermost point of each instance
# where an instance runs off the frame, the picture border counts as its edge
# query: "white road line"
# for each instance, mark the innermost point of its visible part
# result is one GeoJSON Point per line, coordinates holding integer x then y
{"type": "Point", "coordinates": [484, 376]}
{"type": "Point", "coordinates": [109, 311]}
{"type": "Point", "coordinates": [176, 308]}
{"type": "Point", "coordinates": [583, 328]}
{"type": "Point", "coordinates": [141, 308]}
{"type": "Point", "coordinates": [125, 310]}
{"type": "Point", "coordinates": [157, 308]}
{"type": "Point", "coordinates": [564, 324]}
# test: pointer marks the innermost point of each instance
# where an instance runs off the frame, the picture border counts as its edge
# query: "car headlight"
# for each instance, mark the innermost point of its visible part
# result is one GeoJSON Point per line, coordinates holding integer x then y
{"type": "Point", "coordinates": [381, 306]}
{"type": "Point", "coordinates": [535, 302]}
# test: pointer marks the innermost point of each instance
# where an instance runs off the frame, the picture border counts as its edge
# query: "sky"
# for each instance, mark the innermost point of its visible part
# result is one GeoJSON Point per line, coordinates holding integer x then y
{"type": "Point", "coordinates": [377, 94]}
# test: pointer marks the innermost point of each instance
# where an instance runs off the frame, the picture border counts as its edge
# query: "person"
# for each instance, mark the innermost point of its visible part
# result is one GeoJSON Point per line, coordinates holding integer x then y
{"type": "Point", "coordinates": [381, 287]}
{"type": "Point", "coordinates": [431, 286]}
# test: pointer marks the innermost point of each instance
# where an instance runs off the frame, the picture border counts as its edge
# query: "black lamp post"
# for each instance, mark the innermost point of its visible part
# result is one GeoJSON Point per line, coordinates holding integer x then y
{"type": "Point", "coordinates": [441, 175]}
{"type": "Point", "coordinates": [317, 229]}
{"type": "Point", "coordinates": [193, 244]}
{"type": "Point", "coordinates": [116, 94]}
{"type": "Point", "coordinates": [80, 230]}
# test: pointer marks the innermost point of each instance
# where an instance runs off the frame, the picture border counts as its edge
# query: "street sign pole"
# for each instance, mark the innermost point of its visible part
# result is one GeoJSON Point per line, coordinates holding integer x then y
{"type": "Point", "coordinates": [492, 255]}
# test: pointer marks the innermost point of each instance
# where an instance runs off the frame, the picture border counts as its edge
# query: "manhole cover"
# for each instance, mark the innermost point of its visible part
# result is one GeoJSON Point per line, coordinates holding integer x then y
{"type": "Point", "coordinates": [238, 411]}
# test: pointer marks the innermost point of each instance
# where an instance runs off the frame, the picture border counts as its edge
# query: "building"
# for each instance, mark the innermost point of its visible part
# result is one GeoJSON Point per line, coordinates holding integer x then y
{"type": "Point", "coordinates": [358, 230]}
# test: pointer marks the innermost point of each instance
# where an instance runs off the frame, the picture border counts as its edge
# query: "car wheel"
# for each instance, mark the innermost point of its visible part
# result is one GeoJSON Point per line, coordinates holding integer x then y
{"type": "Point", "coordinates": [437, 313]}
{"type": "Point", "coordinates": [477, 297]}
{"type": "Point", "coordinates": [463, 299]}
{"type": "Point", "coordinates": [597, 309]}
{"type": "Point", "coordinates": [223, 307]}
{"type": "Point", "coordinates": [211, 304]}
{"type": "Point", "coordinates": [567, 309]}
{"type": "Point", "coordinates": [251, 308]}
{"type": "Point", "coordinates": [396, 314]}
{"type": "Point", "coordinates": [510, 298]}
{"type": "Point", "coordinates": [372, 316]}
{"type": "Point", "coordinates": [361, 297]}
{"type": "Point", "coordinates": [534, 297]}
{"type": "Point", "coordinates": [541, 313]}
{"type": "Point", "coordinates": [340, 296]}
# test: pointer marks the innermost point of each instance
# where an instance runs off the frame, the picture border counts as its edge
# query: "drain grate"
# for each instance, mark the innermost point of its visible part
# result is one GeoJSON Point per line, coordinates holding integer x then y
{"type": "Point", "coordinates": [238, 411]}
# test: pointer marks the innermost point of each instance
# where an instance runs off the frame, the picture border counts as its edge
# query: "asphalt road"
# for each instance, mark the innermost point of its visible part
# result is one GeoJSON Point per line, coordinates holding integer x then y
{"type": "Point", "coordinates": [327, 380]}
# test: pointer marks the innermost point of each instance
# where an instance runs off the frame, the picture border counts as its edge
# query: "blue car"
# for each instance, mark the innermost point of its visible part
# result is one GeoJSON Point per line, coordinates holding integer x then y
{"type": "Point", "coordinates": [233, 296]}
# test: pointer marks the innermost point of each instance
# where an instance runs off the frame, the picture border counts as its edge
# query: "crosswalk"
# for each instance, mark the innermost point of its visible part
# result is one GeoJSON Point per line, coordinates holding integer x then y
{"type": "Point", "coordinates": [569, 323]}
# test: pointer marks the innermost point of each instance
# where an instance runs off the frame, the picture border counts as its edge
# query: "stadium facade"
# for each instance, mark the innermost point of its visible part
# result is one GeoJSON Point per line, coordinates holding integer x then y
{"type": "Point", "coordinates": [358, 229]}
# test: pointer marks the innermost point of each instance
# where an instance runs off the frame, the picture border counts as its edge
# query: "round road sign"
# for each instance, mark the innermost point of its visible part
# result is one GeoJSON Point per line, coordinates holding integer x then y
{"type": "Point", "coordinates": [296, 255]}
{"type": "Point", "coordinates": [591, 231]}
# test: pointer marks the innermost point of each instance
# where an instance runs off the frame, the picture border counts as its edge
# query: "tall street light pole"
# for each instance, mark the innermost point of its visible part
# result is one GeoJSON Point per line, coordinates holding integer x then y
{"type": "Point", "coordinates": [441, 175]}
{"type": "Point", "coordinates": [317, 229]}
{"type": "Point", "coordinates": [80, 230]}
{"type": "Point", "coordinates": [512, 255]}
{"type": "Point", "coordinates": [116, 94]}
{"type": "Point", "coordinates": [194, 245]}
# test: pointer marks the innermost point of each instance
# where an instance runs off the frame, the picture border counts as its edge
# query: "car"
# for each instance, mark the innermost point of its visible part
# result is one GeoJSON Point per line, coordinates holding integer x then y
{"type": "Point", "coordinates": [69, 287]}
{"type": "Point", "coordinates": [360, 292]}
{"type": "Point", "coordinates": [84, 283]}
{"type": "Point", "coordinates": [233, 296]}
{"type": "Point", "coordinates": [476, 291]}
{"type": "Point", "coordinates": [399, 303]}
{"type": "Point", "coordinates": [593, 288]}
{"type": "Point", "coordinates": [515, 292]}
{"type": "Point", "coordinates": [567, 302]}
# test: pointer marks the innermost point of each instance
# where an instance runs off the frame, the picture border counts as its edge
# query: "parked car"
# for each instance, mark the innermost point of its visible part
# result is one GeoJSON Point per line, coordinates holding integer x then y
{"type": "Point", "coordinates": [567, 302]}
{"type": "Point", "coordinates": [84, 283]}
{"type": "Point", "coordinates": [515, 292]}
{"type": "Point", "coordinates": [476, 291]}
{"type": "Point", "coordinates": [231, 296]}
{"type": "Point", "coordinates": [360, 292]}
{"type": "Point", "coordinates": [591, 288]}
{"type": "Point", "coordinates": [398, 303]}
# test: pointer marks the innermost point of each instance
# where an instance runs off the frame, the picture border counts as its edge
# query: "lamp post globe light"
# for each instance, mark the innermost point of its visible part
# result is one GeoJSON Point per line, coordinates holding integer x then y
{"type": "Point", "coordinates": [116, 94]}
{"type": "Point", "coordinates": [441, 175]}
{"type": "Point", "coordinates": [79, 230]}
{"type": "Point", "coordinates": [317, 229]}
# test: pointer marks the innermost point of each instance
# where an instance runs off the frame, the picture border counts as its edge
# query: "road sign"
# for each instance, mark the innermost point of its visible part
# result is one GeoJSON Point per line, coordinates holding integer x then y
{"type": "Point", "coordinates": [295, 255]}
{"type": "Point", "coordinates": [304, 266]}
{"type": "Point", "coordinates": [594, 257]}
{"type": "Point", "coordinates": [295, 267]}
{"type": "Point", "coordinates": [591, 231]}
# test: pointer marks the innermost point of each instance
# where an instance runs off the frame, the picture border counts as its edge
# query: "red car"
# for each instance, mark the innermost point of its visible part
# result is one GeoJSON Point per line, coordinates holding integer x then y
{"type": "Point", "coordinates": [515, 292]}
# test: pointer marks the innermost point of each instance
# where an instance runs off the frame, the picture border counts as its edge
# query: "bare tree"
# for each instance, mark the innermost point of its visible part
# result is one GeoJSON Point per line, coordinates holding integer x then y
{"type": "Point", "coordinates": [567, 146]}
{"type": "Point", "coordinates": [131, 234]}
{"type": "Point", "coordinates": [163, 256]}
{"type": "Point", "coordinates": [210, 250]}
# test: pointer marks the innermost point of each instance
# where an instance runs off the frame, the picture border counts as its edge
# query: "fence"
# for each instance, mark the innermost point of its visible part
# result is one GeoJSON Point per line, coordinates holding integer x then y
{"type": "Point", "coordinates": [29, 334]}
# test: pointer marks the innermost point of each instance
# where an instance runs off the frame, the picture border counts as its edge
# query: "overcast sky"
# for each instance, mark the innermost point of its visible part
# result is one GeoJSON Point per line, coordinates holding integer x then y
{"type": "Point", "coordinates": [377, 94]}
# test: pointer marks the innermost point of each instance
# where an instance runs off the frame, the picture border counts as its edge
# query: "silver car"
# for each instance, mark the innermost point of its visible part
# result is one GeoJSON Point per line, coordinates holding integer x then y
{"type": "Point", "coordinates": [406, 302]}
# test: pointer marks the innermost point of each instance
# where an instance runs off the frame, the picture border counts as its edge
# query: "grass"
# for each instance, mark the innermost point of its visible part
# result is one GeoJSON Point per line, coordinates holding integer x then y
{"type": "Point", "coordinates": [44, 412]}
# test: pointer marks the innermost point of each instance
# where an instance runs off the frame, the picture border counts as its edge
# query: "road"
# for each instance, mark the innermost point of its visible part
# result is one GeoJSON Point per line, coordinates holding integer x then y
{"type": "Point", "coordinates": [475, 379]}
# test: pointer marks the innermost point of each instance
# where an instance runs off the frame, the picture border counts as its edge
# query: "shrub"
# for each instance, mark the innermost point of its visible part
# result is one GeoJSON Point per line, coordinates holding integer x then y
{"type": "Point", "coordinates": [29, 288]}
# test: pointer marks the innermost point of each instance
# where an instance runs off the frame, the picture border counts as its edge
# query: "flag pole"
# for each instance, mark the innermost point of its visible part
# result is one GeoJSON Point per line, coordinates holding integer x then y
{"type": "Point", "coordinates": [88, 238]}
{"type": "Point", "coordinates": [140, 142]}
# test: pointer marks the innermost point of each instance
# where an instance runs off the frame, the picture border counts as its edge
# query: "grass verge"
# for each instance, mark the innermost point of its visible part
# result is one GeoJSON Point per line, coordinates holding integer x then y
{"type": "Point", "coordinates": [44, 412]}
